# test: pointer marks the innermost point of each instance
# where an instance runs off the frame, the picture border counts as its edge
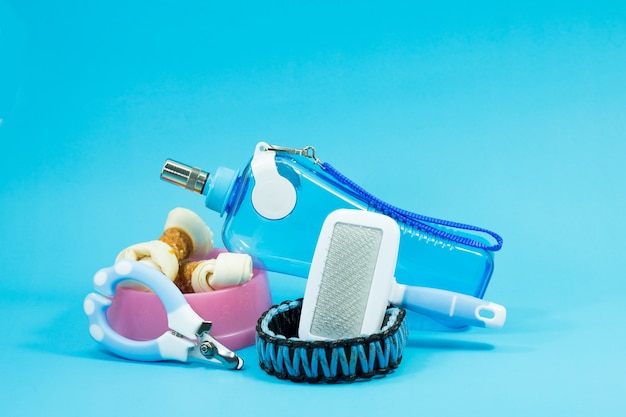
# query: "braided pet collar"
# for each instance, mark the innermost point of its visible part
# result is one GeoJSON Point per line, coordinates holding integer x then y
{"type": "Point", "coordinates": [284, 355]}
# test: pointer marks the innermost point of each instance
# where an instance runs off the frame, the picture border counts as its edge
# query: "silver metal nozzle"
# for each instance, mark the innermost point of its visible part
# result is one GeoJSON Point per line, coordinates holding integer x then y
{"type": "Point", "coordinates": [190, 178]}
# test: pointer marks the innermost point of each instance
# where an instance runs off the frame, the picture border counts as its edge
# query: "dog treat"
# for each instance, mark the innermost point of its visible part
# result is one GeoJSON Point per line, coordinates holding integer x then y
{"type": "Point", "coordinates": [194, 227]}
{"type": "Point", "coordinates": [227, 270]}
{"type": "Point", "coordinates": [185, 236]}
{"type": "Point", "coordinates": [155, 253]}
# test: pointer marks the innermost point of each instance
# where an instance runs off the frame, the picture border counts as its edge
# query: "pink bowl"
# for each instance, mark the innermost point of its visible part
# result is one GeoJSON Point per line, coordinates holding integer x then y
{"type": "Point", "coordinates": [234, 311]}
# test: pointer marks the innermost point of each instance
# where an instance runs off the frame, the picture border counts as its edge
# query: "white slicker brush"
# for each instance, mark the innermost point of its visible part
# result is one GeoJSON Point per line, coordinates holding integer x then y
{"type": "Point", "coordinates": [351, 281]}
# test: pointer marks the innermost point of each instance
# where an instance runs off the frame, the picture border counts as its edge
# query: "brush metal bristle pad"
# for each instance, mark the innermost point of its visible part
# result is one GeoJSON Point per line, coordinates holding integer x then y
{"type": "Point", "coordinates": [346, 281]}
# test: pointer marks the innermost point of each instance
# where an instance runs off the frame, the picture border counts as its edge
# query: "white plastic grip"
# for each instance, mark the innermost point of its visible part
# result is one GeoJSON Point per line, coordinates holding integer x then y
{"type": "Point", "coordinates": [95, 306]}
{"type": "Point", "coordinates": [273, 196]}
{"type": "Point", "coordinates": [451, 307]}
{"type": "Point", "coordinates": [180, 315]}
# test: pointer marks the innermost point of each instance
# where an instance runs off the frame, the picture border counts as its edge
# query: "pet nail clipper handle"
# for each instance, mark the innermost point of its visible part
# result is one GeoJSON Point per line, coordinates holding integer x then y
{"type": "Point", "coordinates": [449, 306]}
{"type": "Point", "coordinates": [180, 315]}
{"type": "Point", "coordinates": [166, 347]}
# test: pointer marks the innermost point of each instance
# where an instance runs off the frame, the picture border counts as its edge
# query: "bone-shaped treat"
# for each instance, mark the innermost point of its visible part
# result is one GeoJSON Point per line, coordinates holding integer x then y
{"type": "Point", "coordinates": [185, 236]}
{"type": "Point", "coordinates": [180, 252]}
{"type": "Point", "coordinates": [227, 270]}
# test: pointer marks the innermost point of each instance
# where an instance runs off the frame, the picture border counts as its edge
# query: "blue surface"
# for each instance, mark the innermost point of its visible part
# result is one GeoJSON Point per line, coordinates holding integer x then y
{"type": "Point", "coordinates": [509, 117]}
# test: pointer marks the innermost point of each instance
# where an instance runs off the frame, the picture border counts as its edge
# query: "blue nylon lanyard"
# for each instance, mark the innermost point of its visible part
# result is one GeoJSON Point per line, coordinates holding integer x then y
{"type": "Point", "coordinates": [415, 220]}
{"type": "Point", "coordinates": [408, 218]}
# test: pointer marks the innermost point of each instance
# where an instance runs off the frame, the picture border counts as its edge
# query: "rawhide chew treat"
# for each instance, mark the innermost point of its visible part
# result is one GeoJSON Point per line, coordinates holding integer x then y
{"type": "Point", "coordinates": [193, 228]}
{"type": "Point", "coordinates": [284, 355]}
{"type": "Point", "coordinates": [227, 270]}
{"type": "Point", "coordinates": [155, 253]}
{"type": "Point", "coordinates": [185, 236]}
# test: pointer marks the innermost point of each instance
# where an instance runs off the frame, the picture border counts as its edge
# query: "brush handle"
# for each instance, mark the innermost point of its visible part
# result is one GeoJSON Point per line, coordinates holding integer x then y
{"type": "Point", "coordinates": [448, 306]}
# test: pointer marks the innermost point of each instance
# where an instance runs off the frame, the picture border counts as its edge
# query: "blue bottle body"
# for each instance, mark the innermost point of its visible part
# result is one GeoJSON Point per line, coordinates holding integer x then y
{"type": "Point", "coordinates": [287, 245]}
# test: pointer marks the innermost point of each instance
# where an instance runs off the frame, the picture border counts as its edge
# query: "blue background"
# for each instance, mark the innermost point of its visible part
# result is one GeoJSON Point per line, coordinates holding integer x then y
{"type": "Point", "coordinates": [505, 115]}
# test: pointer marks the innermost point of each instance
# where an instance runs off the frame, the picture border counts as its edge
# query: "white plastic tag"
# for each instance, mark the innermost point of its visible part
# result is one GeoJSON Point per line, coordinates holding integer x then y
{"type": "Point", "coordinates": [273, 196]}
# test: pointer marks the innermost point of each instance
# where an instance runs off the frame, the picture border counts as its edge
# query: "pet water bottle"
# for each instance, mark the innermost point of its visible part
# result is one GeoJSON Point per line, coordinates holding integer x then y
{"type": "Point", "coordinates": [275, 206]}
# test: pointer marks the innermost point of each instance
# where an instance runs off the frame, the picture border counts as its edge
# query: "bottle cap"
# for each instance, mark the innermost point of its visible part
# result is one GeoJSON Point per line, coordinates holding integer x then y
{"type": "Point", "coordinates": [218, 189]}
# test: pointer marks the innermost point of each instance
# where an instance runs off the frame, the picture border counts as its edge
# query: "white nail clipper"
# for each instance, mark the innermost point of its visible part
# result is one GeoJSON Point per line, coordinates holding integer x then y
{"type": "Point", "coordinates": [189, 340]}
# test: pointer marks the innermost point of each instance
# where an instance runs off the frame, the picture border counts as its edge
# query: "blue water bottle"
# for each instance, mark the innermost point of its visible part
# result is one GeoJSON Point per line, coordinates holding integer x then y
{"type": "Point", "coordinates": [275, 206]}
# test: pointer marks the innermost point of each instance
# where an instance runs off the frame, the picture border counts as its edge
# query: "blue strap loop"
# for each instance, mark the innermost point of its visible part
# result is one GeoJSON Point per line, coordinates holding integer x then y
{"type": "Point", "coordinates": [342, 360]}
{"type": "Point", "coordinates": [415, 220]}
